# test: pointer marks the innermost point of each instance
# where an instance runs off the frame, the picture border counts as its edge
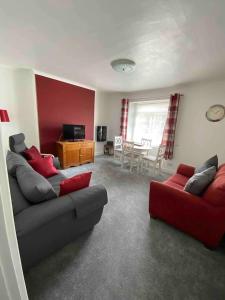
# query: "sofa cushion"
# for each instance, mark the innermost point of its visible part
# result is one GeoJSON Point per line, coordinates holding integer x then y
{"type": "Point", "coordinates": [34, 186]}
{"type": "Point", "coordinates": [13, 160]}
{"type": "Point", "coordinates": [212, 161]}
{"type": "Point", "coordinates": [185, 170]}
{"type": "Point", "coordinates": [174, 185]}
{"type": "Point", "coordinates": [19, 202]}
{"type": "Point", "coordinates": [75, 183]}
{"type": "Point", "coordinates": [55, 181]}
{"type": "Point", "coordinates": [44, 166]}
{"type": "Point", "coordinates": [32, 153]}
{"type": "Point", "coordinates": [199, 181]}
{"type": "Point", "coordinates": [215, 194]}
{"type": "Point", "coordinates": [179, 179]}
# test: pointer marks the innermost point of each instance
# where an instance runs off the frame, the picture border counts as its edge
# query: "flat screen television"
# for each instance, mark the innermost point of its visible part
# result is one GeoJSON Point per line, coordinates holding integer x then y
{"type": "Point", "coordinates": [73, 132]}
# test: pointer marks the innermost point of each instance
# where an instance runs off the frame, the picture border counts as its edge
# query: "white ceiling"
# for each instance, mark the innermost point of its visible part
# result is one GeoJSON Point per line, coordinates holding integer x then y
{"type": "Point", "coordinates": [171, 41]}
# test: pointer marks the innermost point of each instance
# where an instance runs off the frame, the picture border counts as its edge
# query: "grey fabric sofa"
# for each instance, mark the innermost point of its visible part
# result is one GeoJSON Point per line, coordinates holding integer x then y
{"type": "Point", "coordinates": [44, 227]}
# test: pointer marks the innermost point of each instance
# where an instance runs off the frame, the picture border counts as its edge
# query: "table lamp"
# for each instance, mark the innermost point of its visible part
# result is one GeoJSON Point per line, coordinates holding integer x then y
{"type": "Point", "coordinates": [4, 117]}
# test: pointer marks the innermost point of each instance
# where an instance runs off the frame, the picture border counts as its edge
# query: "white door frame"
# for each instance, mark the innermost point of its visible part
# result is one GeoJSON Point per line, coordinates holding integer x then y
{"type": "Point", "coordinates": [12, 284]}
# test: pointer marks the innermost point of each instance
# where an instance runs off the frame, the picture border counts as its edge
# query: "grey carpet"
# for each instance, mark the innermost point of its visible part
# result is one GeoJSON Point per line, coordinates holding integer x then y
{"type": "Point", "coordinates": [127, 255]}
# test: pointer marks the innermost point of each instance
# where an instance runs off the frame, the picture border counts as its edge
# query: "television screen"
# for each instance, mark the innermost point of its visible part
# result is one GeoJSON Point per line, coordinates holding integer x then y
{"type": "Point", "coordinates": [73, 132]}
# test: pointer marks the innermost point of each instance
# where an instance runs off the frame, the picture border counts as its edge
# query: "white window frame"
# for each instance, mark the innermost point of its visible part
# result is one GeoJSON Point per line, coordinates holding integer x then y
{"type": "Point", "coordinates": [133, 116]}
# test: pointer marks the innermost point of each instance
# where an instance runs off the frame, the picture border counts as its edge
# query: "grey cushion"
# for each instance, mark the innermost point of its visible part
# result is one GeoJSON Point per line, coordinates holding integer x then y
{"type": "Point", "coordinates": [212, 161]}
{"type": "Point", "coordinates": [55, 181]}
{"type": "Point", "coordinates": [16, 143]}
{"type": "Point", "coordinates": [34, 186]}
{"type": "Point", "coordinates": [13, 160]}
{"type": "Point", "coordinates": [19, 202]}
{"type": "Point", "coordinates": [199, 181]}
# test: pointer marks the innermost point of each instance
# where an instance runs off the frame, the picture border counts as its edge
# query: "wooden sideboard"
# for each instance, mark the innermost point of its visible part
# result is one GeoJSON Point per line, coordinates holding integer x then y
{"type": "Point", "coordinates": [75, 153]}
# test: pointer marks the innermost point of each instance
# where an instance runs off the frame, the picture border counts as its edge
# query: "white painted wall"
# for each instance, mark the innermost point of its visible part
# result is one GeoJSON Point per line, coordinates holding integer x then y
{"type": "Point", "coordinates": [18, 96]}
{"type": "Point", "coordinates": [107, 113]}
{"type": "Point", "coordinates": [196, 138]}
{"type": "Point", "coordinates": [27, 117]}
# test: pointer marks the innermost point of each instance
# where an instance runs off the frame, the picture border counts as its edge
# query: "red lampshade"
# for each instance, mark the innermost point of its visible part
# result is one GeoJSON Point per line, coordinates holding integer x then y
{"type": "Point", "coordinates": [4, 117]}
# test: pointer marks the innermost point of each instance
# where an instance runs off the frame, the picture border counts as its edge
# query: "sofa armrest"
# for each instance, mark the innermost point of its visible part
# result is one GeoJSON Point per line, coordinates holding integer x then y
{"type": "Point", "coordinates": [83, 202]}
{"type": "Point", "coordinates": [89, 199]}
{"type": "Point", "coordinates": [186, 170]}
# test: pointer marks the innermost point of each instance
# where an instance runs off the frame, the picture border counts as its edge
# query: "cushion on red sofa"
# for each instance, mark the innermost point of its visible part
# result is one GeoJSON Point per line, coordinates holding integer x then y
{"type": "Point", "coordinates": [32, 153]}
{"type": "Point", "coordinates": [215, 193]}
{"type": "Point", "coordinates": [75, 183]}
{"type": "Point", "coordinates": [179, 179]}
{"type": "Point", "coordinates": [173, 184]}
{"type": "Point", "coordinates": [185, 170]}
{"type": "Point", "coordinates": [44, 166]}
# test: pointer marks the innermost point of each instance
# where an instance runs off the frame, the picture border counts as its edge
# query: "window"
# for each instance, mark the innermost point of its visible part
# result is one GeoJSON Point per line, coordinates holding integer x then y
{"type": "Point", "coordinates": [146, 119]}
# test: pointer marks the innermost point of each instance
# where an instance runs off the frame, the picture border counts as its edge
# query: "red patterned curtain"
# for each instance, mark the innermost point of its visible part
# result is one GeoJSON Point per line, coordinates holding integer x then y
{"type": "Point", "coordinates": [124, 118]}
{"type": "Point", "coordinates": [170, 126]}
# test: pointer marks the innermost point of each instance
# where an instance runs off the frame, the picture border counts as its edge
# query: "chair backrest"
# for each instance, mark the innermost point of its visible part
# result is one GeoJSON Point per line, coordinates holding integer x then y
{"type": "Point", "coordinates": [118, 142]}
{"type": "Point", "coordinates": [146, 142]}
{"type": "Point", "coordinates": [16, 143]}
{"type": "Point", "coordinates": [128, 147]}
{"type": "Point", "coordinates": [161, 152]}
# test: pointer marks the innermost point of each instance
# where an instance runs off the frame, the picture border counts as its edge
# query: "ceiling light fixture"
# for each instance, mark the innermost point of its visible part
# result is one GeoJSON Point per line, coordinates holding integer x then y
{"type": "Point", "coordinates": [123, 65]}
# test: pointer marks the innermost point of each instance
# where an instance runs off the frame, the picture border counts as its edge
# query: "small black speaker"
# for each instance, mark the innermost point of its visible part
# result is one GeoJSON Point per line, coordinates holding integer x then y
{"type": "Point", "coordinates": [101, 133]}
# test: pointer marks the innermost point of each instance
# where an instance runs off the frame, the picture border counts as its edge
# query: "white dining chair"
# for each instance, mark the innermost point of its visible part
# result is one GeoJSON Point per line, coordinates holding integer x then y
{"type": "Point", "coordinates": [147, 143]}
{"type": "Point", "coordinates": [118, 147]}
{"type": "Point", "coordinates": [152, 161]}
{"type": "Point", "coordinates": [130, 157]}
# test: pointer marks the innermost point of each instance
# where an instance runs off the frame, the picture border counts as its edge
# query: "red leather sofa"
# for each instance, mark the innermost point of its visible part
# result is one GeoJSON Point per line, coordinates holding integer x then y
{"type": "Point", "coordinates": [202, 217]}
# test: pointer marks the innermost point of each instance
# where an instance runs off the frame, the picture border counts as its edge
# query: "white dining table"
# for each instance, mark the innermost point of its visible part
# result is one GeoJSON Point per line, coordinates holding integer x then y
{"type": "Point", "coordinates": [141, 149]}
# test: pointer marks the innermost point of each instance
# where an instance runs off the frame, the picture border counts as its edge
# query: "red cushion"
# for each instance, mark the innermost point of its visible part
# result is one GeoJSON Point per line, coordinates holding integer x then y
{"type": "Point", "coordinates": [186, 170]}
{"type": "Point", "coordinates": [179, 179]}
{"type": "Point", "coordinates": [44, 166]}
{"type": "Point", "coordinates": [32, 153]}
{"type": "Point", "coordinates": [75, 183]}
{"type": "Point", "coordinates": [173, 184]}
{"type": "Point", "coordinates": [215, 194]}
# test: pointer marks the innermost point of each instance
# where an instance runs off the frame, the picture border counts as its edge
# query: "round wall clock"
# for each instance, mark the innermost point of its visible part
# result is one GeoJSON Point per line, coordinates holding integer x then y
{"type": "Point", "coordinates": [215, 113]}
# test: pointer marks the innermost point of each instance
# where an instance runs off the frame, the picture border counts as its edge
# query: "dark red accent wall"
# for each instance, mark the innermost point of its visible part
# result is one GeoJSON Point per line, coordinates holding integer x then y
{"type": "Point", "coordinates": [62, 103]}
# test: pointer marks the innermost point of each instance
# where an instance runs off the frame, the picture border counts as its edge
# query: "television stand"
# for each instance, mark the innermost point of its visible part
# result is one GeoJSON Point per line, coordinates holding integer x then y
{"type": "Point", "coordinates": [75, 153]}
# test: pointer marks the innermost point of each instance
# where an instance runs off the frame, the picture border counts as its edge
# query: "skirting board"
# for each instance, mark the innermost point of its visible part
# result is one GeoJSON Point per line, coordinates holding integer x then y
{"type": "Point", "coordinates": [99, 153]}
